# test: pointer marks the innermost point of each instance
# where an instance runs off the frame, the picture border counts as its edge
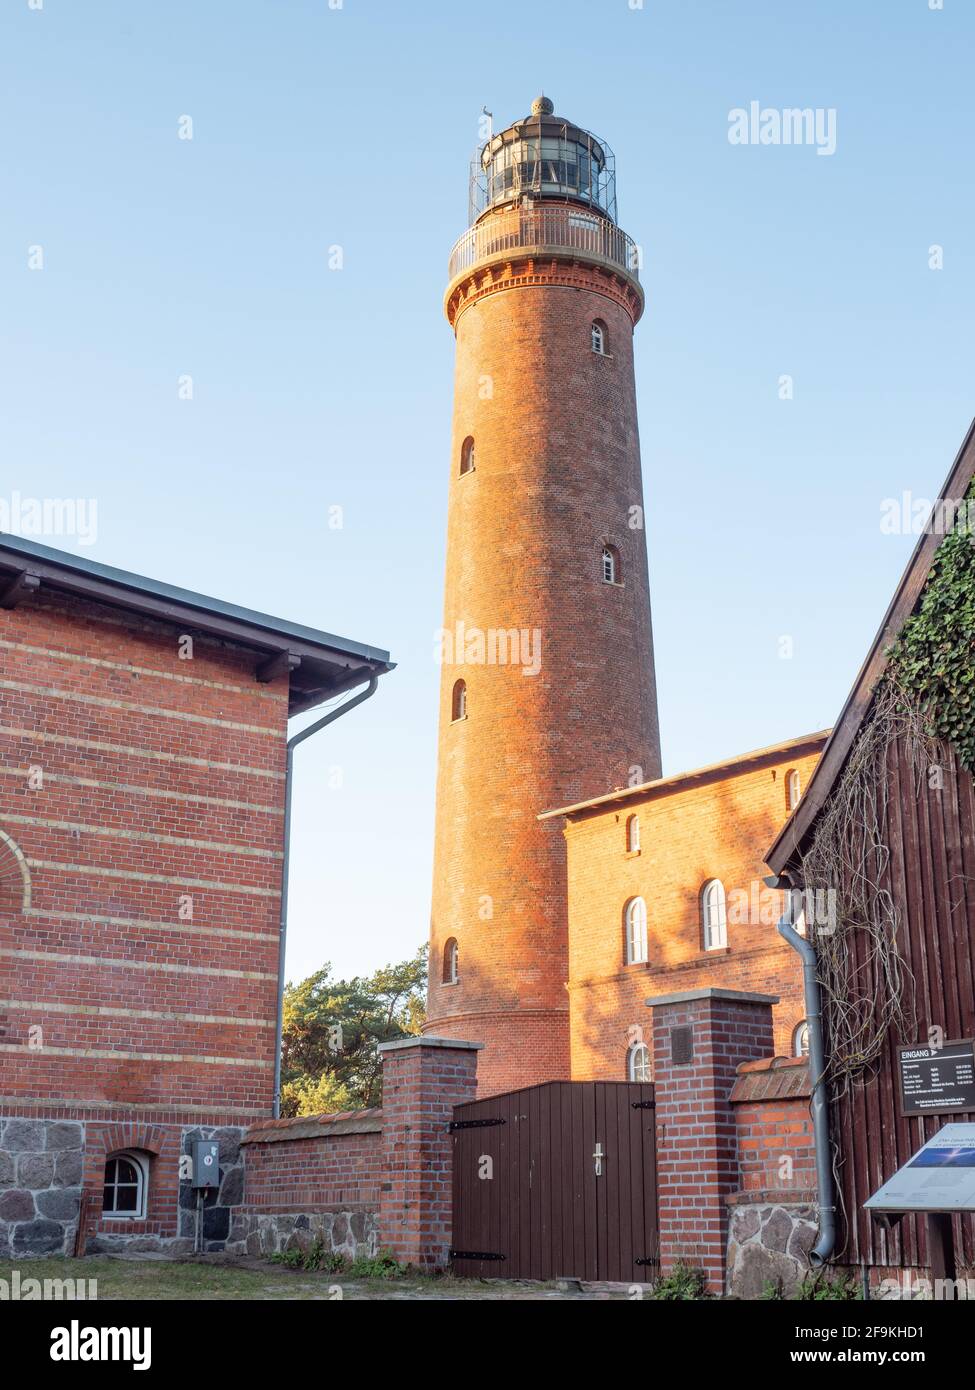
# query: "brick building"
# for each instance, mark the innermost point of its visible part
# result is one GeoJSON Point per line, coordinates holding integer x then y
{"type": "Point", "coordinates": [548, 692]}
{"type": "Point", "coordinates": [665, 894]}
{"type": "Point", "coordinates": [548, 689]}
{"type": "Point", "coordinates": [143, 780]}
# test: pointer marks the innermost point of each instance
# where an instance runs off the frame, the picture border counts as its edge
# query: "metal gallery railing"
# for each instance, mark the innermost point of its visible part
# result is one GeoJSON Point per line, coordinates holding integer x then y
{"type": "Point", "coordinates": [559, 227]}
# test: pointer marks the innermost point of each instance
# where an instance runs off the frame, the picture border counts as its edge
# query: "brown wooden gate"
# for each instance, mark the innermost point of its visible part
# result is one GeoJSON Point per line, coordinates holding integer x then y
{"type": "Point", "coordinates": [558, 1179]}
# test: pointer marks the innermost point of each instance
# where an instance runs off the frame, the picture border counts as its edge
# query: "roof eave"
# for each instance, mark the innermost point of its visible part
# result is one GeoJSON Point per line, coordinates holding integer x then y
{"type": "Point", "coordinates": [326, 665]}
{"type": "Point", "coordinates": [662, 784]}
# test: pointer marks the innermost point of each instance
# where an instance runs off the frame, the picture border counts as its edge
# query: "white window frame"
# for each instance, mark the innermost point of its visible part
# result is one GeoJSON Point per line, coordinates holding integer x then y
{"type": "Point", "coordinates": [714, 916]}
{"type": "Point", "coordinates": [597, 338]}
{"type": "Point", "coordinates": [636, 932]}
{"type": "Point", "coordinates": [610, 565]}
{"type": "Point", "coordinates": [633, 835]}
{"type": "Point", "coordinates": [793, 790]}
{"type": "Point", "coordinates": [141, 1166]}
{"type": "Point", "coordinates": [800, 1035]}
{"type": "Point", "coordinates": [642, 1051]}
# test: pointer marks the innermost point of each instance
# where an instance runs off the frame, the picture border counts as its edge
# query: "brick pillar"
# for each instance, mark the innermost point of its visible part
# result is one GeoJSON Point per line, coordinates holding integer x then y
{"type": "Point", "coordinates": [699, 1039]}
{"type": "Point", "coordinates": [423, 1079]}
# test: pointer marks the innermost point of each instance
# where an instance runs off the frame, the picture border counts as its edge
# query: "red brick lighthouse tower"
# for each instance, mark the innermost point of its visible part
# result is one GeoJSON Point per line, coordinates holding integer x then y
{"type": "Point", "coordinates": [547, 693]}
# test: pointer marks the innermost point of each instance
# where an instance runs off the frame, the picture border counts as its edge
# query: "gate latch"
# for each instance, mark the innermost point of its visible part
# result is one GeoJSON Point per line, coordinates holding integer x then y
{"type": "Point", "coordinates": [598, 1157]}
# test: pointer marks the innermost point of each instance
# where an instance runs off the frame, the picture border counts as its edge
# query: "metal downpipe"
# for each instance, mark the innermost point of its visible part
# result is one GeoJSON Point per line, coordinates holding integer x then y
{"type": "Point", "coordinates": [329, 718]}
{"type": "Point", "coordinates": [826, 1243]}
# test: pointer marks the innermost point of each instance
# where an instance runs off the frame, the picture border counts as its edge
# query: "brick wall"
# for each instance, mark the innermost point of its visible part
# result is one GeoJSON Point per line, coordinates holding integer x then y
{"type": "Point", "coordinates": [776, 1148]}
{"type": "Point", "coordinates": [692, 829]}
{"type": "Point", "coordinates": [313, 1178]}
{"type": "Point", "coordinates": [146, 795]}
{"type": "Point", "coordinates": [141, 805]}
{"type": "Point", "coordinates": [423, 1079]}
{"type": "Point", "coordinates": [325, 1161]}
{"type": "Point", "coordinates": [697, 1156]}
{"type": "Point", "coordinates": [773, 1216]}
{"type": "Point", "coordinates": [365, 1179]}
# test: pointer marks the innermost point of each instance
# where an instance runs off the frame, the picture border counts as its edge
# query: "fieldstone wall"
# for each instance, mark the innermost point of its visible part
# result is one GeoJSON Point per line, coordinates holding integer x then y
{"type": "Point", "coordinates": [216, 1204]}
{"type": "Point", "coordinates": [41, 1165]}
{"type": "Point", "coordinates": [769, 1244]}
{"type": "Point", "coordinates": [348, 1233]}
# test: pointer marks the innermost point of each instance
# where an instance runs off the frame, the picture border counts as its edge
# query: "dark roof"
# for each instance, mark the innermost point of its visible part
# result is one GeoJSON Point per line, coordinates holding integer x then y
{"type": "Point", "coordinates": [682, 779]}
{"type": "Point", "coordinates": [321, 664]}
{"type": "Point", "coordinates": [854, 712]}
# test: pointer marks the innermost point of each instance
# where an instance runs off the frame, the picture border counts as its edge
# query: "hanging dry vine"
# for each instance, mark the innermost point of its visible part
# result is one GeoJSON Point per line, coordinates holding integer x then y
{"type": "Point", "coordinates": [867, 988]}
{"type": "Point", "coordinates": [924, 701]}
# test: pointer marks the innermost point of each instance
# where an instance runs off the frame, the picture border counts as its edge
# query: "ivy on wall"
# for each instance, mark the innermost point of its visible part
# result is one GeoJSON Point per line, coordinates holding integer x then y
{"type": "Point", "coordinates": [933, 660]}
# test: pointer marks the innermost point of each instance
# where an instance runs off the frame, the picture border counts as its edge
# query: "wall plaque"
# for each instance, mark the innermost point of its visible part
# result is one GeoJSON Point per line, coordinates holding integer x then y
{"type": "Point", "coordinates": [937, 1080]}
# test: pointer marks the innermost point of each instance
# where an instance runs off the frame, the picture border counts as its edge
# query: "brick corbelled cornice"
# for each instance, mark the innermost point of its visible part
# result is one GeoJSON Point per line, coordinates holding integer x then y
{"type": "Point", "coordinates": [569, 272]}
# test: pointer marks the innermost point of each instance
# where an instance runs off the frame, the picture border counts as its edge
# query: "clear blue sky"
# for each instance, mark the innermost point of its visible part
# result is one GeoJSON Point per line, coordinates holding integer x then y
{"type": "Point", "coordinates": [312, 388]}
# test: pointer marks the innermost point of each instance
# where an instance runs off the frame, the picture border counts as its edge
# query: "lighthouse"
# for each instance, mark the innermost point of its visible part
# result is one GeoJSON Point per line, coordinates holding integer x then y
{"type": "Point", "coordinates": [547, 691]}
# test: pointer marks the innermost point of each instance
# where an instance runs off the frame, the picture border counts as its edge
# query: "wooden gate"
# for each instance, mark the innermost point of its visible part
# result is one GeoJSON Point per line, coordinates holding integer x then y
{"type": "Point", "coordinates": [558, 1179]}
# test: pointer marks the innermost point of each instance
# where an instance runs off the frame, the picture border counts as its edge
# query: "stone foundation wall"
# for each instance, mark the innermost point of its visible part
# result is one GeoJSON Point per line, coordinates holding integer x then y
{"type": "Point", "coordinates": [769, 1244]}
{"type": "Point", "coordinates": [351, 1233]}
{"type": "Point", "coordinates": [41, 1166]}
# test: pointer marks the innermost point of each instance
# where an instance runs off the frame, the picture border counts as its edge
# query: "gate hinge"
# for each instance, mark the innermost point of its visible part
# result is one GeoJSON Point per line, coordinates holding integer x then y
{"type": "Point", "coordinates": [475, 1255]}
{"type": "Point", "coordinates": [642, 1104]}
{"type": "Point", "coordinates": [474, 1124]}
{"type": "Point", "coordinates": [648, 1260]}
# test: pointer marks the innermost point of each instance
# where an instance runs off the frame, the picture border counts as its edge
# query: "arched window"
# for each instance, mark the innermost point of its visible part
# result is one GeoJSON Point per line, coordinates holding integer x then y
{"type": "Point", "coordinates": [612, 574]}
{"type": "Point", "coordinates": [714, 919]}
{"type": "Point", "coordinates": [467, 455]}
{"type": "Point", "coordinates": [599, 338]}
{"type": "Point", "coordinates": [636, 931]}
{"type": "Point", "coordinates": [632, 834]}
{"type": "Point", "coordinates": [450, 962]}
{"type": "Point", "coordinates": [126, 1185]}
{"type": "Point", "coordinates": [800, 1040]}
{"type": "Point", "coordinates": [14, 877]}
{"type": "Point", "coordinates": [638, 1063]}
{"type": "Point", "coordinates": [458, 701]}
{"type": "Point", "coordinates": [793, 790]}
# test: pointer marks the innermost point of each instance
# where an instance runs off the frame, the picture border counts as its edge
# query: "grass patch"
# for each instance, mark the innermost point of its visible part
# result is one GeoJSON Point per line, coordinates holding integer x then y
{"type": "Point", "coordinates": [170, 1279]}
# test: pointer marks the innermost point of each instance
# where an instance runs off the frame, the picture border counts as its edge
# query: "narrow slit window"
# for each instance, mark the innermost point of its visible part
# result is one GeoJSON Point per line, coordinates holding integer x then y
{"type": "Point", "coordinates": [458, 708]}
{"type": "Point", "coordinates": [451, 961]}
{"type": "Point", "coordinates": [636, 931]}
{"type": "Point", "coordinates": [598, 337]}
{"type": "Point", "coordinates": [633, 834]}
{"type": "Point", "coordinates": [611, 565]}
{"type": "Point", "coordinates": [793, 790]}
{"type": "Point", "coordinates": [638, 1063]}
{"type": "Point", "coordinates": [714, 917]}
{"type": "Point", "coordinates": [467, 455]}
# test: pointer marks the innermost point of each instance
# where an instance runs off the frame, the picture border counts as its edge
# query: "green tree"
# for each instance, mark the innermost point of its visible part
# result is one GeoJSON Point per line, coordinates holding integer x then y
{"type": "Point", "coordinates": [332, 1031]}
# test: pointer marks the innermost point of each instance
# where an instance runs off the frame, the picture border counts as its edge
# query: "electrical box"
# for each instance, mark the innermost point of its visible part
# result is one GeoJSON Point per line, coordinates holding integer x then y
{"type": "Point", "coordinates": [206, 1163]}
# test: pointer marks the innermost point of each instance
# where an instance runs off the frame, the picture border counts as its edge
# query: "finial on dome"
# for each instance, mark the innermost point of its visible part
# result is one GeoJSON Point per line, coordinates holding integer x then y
{"type": "Point", "coordinates": [543, 106]}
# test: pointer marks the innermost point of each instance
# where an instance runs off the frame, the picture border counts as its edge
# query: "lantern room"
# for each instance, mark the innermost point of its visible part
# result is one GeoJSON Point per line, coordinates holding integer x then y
{"type": "Point", "coordinates": [543, 156]}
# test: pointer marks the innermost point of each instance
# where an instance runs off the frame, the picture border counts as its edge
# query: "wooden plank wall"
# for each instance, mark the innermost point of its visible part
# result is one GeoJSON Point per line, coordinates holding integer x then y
{"type": "Point", "coordinates": [932, 878]}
